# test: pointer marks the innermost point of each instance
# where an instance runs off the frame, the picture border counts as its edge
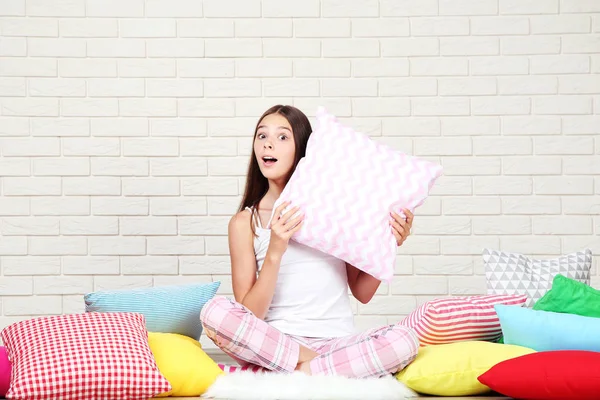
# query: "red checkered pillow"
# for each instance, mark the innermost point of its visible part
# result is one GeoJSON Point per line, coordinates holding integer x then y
{"type": "Point", "coordinates": [82, 356]}
{"type": "Point", "coordinates": [459, 318]}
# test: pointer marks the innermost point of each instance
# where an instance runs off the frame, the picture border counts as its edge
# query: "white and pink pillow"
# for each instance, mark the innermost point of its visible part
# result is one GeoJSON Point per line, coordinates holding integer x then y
{"type": "Point", "coordinates": [459, 318]}
{"type": "Point", "coordinates": [82, 357]}
{"type": "Point", "coordinates": [346, 186]}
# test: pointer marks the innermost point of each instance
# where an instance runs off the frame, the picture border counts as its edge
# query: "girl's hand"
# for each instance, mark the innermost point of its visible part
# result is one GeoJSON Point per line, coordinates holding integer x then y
{"type": "Point", "coordinates": [401, 227]}
{"type": "Point", "coordinates": [283, 227]}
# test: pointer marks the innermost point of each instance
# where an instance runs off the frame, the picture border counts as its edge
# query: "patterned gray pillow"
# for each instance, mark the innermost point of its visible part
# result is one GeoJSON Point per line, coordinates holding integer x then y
{"type": "Point", "coordinates": [513, 273]}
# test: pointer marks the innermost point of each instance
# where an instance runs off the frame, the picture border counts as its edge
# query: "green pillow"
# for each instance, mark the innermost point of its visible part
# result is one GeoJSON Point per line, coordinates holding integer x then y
{"type": "Point", "coordinates": [570, 297]}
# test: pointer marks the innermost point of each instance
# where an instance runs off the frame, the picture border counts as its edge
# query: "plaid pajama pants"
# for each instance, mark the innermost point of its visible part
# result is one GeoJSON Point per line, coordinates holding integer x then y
{"type": "Point", "coordinates": [251, 341]}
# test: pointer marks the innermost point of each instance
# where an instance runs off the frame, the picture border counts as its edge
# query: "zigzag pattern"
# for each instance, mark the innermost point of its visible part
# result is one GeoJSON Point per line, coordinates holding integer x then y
{"type": "Point", "coordinates": [346, 185]}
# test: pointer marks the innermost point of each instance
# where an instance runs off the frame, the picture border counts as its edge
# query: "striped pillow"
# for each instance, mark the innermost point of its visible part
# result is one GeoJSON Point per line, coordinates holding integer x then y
{"type": "Point", "coordinates": [167, 309]}
{"type": "Point", "coordinates": [459, 318]}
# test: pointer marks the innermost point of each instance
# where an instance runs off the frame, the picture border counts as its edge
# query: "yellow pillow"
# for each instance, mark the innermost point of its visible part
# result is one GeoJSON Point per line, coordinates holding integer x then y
{"type": "Point", "coordinates": [452, 369]}
{"type": "Point", "coordinates": [181, 360]}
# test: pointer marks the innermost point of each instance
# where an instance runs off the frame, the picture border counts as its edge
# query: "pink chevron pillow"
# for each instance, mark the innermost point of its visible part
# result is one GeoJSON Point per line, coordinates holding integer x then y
{"type": "Point", "coordinates": [346, 185]}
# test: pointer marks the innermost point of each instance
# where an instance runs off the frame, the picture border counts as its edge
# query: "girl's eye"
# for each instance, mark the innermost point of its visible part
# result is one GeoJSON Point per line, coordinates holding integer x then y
{"type": "Point", "coordinates": [283, 137]}
{"type": "Point", "coordinates": [260, 136]}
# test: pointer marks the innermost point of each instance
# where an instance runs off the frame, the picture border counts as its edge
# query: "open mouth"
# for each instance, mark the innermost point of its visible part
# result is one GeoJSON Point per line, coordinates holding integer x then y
{"type": "Point", "coordinates": [269, 160]}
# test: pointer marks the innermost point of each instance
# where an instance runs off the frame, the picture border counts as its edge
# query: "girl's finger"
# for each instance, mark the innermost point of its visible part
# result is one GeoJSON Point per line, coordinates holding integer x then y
{"type": "Point", "coordinates": [280, 208]}
{"type": "Point", "coordinates": [404, 224]}
{"type": "Point", "coordinates": [296, 228]}
{"type": "Point", "coordinates": [409, 215]}
{"type": "Point", "coordinates": [397, 226]}
{"type": "Point", "coordinates": [397, 230]}
{"type": "Point", "coordinates": [397, 235]}
{"type": "Point", "coordinates": [400, 220]}
{"type": "Point", "coordinates": [291, 224]}
{"type": "Point", "coordinates": [286, 217]}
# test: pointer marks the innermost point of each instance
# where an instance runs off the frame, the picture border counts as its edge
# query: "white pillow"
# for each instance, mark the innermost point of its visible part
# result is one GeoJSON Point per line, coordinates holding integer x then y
{"type": "Point", "coordinates": [346, 185]}
{"type": "Point", "coordinates": [514, 273]}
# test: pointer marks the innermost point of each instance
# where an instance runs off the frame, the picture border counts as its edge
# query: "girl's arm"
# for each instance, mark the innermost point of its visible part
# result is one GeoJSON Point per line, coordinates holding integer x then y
{"type": "Point", "coordinates": [255, 293]}
{"type": "Point", "coordinates": [362, 285]}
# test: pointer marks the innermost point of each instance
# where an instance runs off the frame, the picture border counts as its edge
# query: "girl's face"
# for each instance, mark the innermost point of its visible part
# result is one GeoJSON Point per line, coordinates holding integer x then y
{"type": "Point", "coordinates": [274, 147]}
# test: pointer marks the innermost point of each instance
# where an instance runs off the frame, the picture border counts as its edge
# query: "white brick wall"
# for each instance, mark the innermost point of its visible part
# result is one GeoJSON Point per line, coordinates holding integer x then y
{"type": "Point", "coordinates": [125, 130]}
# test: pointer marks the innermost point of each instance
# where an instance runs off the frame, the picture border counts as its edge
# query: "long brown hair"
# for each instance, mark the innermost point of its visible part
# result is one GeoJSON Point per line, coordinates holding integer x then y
{"type": "Point", "coordinates": [257, 184]}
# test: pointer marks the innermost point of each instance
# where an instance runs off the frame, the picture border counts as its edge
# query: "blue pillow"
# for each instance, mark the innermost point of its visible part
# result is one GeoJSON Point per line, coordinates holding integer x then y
{"type": "Point", "coordinates": [168, 309]}
{"type": "Point", "coordinates": [548, 331]}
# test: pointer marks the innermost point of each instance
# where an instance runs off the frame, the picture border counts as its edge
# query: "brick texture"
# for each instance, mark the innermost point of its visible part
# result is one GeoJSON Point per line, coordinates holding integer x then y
{"type": "Point", "coordinates": [125, 132]}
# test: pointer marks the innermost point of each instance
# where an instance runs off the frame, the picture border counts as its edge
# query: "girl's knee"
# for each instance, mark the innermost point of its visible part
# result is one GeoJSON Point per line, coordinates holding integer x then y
{"type": "Point", "coordinates": [404, 345]}
{"type": "Point", "coordinates": [220, 311]}
{"type": "Point", "coordinates": [212, 309]}
{"type": "Point", "coordinates": [398, 346]}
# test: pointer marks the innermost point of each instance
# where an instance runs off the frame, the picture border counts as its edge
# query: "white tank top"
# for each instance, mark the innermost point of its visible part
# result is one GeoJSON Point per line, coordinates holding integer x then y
{"type": "Point", "coordinates": [311, 295]}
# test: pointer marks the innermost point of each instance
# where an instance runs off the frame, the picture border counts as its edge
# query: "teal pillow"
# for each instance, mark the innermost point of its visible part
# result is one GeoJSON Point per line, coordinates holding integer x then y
{"type": "Point", "coordinates": [569, 296]}
{"type": "Point", "coordinates": [548, 331]}
{"type": "Point", "coordinates": [168, 309]}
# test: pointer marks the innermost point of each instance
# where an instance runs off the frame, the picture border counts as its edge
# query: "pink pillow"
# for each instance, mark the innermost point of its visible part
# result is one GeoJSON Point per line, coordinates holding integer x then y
{"type": "Point", "coordinates": [346, 185]}
{"type": "Point", "coordinates": [459, 318]}
{"type": "Point", "coordinates": [4, 372]}
{"type": "Point", "coordinates": [82, 357]}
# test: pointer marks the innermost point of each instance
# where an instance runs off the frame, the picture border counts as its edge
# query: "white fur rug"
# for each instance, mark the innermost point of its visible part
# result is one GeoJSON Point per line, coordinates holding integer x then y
{"type": "Point", "coordinates": [248, 385]}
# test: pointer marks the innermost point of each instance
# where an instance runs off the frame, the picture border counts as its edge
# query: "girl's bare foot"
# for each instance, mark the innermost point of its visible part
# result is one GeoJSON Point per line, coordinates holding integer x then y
{"type": "Point", "coordinates": [306, 354]}
{"type": "Point", "coordinates": [304, 367]}
{"type": "Point", "coordinates": [304, 358]}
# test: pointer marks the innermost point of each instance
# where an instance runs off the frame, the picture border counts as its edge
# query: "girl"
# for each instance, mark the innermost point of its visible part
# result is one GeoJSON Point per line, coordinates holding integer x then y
{"type": "Point", "coordinates": [292, 309]}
